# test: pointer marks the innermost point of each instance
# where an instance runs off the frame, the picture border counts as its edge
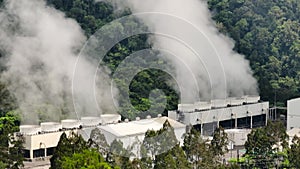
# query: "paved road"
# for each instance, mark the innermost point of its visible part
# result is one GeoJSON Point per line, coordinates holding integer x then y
{"type": "Point", "coordinates": [37, 165]}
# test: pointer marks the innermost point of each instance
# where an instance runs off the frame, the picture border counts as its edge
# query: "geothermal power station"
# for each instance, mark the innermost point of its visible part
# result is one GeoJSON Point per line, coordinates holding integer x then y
{"type": "Point", "coordinates": [236, 115]}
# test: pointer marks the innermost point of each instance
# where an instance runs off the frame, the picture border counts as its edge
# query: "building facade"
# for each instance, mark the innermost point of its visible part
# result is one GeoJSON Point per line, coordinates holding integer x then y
{"type": "Point", "coordinates": [293, 113]}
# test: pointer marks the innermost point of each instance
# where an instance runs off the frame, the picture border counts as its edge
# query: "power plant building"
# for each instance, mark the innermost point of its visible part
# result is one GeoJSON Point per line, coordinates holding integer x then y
{"type": "Point", "coordinates": [245, 112]}
{"type": "Point", "coordinates": [41, 140]}
{"type": "Point", "coordinates": [130, 132]}
{"type": "Point", "coordinates": [293, 113]}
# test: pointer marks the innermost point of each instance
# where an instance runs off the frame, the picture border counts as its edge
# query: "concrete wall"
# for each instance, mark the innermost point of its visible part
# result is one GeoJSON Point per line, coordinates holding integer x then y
{"type": "Point", "coordinates": [42, 141]}
{"type": "Point", "coordinates": [293, 114]}
{"type": "Point", "coordinates": [227, 113]}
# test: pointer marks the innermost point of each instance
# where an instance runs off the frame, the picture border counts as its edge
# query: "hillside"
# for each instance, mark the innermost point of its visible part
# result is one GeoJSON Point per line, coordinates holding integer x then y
{"type": "Point", "coordinates": [268, 34]}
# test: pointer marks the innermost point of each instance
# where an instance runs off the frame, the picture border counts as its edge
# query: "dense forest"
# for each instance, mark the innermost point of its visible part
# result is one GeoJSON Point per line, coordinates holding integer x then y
{"type": "Point", "coordinates": [268, 34]}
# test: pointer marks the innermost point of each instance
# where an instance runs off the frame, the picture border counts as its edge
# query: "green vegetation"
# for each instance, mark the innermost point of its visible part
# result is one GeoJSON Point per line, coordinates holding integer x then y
{"type": "Point", "coordinates": [267, 145]}
{"type": "Point", "coordinates": [159, 150]}
{"type": "Point", "coordinates": [268, 34]}
{"type": "Point", "coordinates": [88, 159]}
{"type": "Point", "coordinates": [91, 16]}
{"type": "Point", "coordinates": [11, 149]}
{"type": "Point", "coordinates": [294, 153]}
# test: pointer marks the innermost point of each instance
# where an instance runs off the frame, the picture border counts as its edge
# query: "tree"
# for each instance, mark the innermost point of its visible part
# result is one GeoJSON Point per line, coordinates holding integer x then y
{"type": "Point", "coordinates": [219, 142]}
{"type": "Point", "coordinates": [294, 153]}
{"type": "Point", "coordinates": [263, 144]}
{"type": "Point", "coordinates": [118, 155]}
{"type": "Point", "coordinates": [88, 159]}
{"type": "Point", "coordinates": [267, 33]}
{"type": "Point", "coordinates": [197, 150]}
{"type": "Point", "coordinates": [97, 140]}
{"type": "Point", "coordinates": [173, 158]}
{"type": "Point", "coordinates": [11, 146]}
{"type": "Point", "coordinates": [66, 147]}
{"type": "Point", "coordinates": [161, 149]}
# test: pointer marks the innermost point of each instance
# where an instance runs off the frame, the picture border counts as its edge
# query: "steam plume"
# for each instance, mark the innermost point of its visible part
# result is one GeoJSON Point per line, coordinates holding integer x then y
{"type": "Point", "coordinates": [207, 42]}
{"type": "Point", "coordinates": [41, 47]}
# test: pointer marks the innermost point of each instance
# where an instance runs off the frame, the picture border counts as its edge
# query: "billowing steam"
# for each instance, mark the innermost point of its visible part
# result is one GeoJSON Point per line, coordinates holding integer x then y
{"type": "Point", "coordinates": [40, 47]}
{"type": "Point", "coordinates": [218, 70]}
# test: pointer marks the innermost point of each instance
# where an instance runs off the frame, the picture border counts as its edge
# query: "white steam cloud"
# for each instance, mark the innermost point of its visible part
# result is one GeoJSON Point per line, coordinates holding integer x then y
{"type": "Point", "coordinates": [41, 47]}
{"type": "Point", "coordinates": [216, 58]}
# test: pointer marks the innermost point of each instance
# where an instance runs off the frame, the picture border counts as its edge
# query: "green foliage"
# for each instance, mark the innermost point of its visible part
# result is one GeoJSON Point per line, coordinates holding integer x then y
{"type": "Point", "coordinates": [175, 158]}
{"type": "Point", "coordinates": [219, 142]}
{"type": "Point", "coordinates": [93, 15]}
{"type": "Point", "coordinates": [294, 153]}
{"type": "Point", "coordinates": [88, 159]}
{"type": "Point", "coordinates": [66, 147]}
{"type": "Point", "coordinates": [268, 34]}
{"type": "Point", "coordinates": [203, 153]}
{"type": "Point", "coordinates": [118, 155]}
{"type": "Point", "coordinates": [197, 150]}
{"type": "Point", "coordinates": [97, 140]}
{"type": "Point", "coordinates": [11, 147]}
{"type": "Point", "coordinates": [262, 145]}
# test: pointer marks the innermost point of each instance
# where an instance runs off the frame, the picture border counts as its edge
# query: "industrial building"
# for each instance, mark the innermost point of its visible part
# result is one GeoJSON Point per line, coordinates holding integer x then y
{"type": "Point", "coordinates": [293, 113]}
{"type": "Point", "coordinates": [130, 132]}
{"type": "Point", "coordinates": [41, 140]}
{"type": "Point", "coordinates": [244, 112]}
{"type": "Point", "coordinates": [232, 113]}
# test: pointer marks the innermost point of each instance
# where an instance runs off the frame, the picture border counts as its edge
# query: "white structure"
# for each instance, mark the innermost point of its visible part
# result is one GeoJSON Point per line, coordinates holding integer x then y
{"type": "Point", "coordinates": [132, 133]}
{"type": "Point", "coordinates": [293, 113]}
{"type": "Point", "coordinates": [221, 110]}
{"type": "Point", "coordinates": [41, 140]}
{"type": "Point", "coordinates": [70, 123]}
{"type": "Point", "coordinates": [110, 118]}
{"type": "Point", "coordinates": [128, 132]}
{"type": "Point", "coordinates": [292, 133]}
{"type": "Point", "coordinates": [90, 121]}
{"type": "Point", "coordinates": [30, 129]}
{"type": "Point", "coordinates": [237, 137]}
{"type": "Point", "coordinates": [50, 127]}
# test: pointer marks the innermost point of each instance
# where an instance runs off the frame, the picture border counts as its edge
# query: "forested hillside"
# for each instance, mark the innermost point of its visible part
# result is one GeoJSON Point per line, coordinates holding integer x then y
{"type": "Point", "coordinates": [91, 16]}
{"type": "Point", "coordinates": [268, 34]}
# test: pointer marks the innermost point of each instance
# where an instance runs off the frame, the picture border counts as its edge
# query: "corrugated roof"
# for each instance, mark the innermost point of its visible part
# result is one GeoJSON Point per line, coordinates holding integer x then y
{"type": "Point", "coordinates": [139, 127]}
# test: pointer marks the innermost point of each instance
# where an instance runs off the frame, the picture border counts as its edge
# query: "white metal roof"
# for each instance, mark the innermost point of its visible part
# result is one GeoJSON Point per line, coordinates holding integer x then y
{"type": "Point", "coordinates": [139, 127]}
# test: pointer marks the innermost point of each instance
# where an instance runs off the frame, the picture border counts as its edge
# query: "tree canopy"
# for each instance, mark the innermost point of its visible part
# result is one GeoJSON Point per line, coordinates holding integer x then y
{"type": "Point", "coordinates": [268, 34]}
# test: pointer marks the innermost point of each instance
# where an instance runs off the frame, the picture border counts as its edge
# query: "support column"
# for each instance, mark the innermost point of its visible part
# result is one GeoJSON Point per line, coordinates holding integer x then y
{"type": "Point", "coordinates": [201, 129]}
{"type": "Point", "coordinates": [236, 122]}
{"type": "Point", "coordinates": [251, 121]}
{"type": "Point", "coordinates": [267, 112]}
{"type": "Point", "coordinates": [31, 154]}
